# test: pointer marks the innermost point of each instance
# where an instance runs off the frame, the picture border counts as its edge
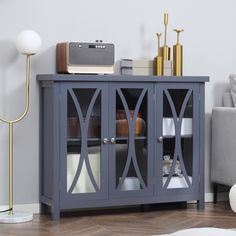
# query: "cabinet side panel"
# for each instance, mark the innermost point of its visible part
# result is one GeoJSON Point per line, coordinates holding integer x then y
{"type": "Point", "coordinates": [47, 138]}
{"type": "Point", "coordinates": [201, 201]}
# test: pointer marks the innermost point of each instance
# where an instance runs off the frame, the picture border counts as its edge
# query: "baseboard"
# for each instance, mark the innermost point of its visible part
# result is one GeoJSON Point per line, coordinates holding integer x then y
{"type": "Point", "coordinates": [30, 208]}
{"type": "Point", "coordinates": [221, 197]}
{"type": "Point", "coordinates": [34, 208]}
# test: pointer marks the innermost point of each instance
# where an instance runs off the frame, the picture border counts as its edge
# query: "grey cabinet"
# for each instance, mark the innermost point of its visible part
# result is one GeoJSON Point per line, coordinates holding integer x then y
{"type": "Point", "coordinates": [120, 140]}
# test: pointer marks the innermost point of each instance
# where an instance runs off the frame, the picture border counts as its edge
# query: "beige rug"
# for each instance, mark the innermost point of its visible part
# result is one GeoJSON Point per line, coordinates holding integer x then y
{"type": "Point", "coordinates": [203, 232]}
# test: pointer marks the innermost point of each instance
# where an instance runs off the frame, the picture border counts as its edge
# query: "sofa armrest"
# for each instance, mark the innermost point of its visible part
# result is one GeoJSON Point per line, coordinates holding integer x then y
{"type": "Point", "coordinates": [223, 155]}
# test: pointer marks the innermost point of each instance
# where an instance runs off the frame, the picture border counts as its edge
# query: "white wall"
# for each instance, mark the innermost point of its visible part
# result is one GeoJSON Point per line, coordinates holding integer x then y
{"type": "Point", "coordinates": [209, 47]}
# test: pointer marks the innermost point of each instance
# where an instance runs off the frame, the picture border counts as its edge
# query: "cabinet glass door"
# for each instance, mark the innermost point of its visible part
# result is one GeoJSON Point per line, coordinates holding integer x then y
{"type": "Point", "coordinates": [177, 133]}
{"type": "Point", "coordinates": [130, 142]}
{"type": "Point", "coordinates": [85, 156]}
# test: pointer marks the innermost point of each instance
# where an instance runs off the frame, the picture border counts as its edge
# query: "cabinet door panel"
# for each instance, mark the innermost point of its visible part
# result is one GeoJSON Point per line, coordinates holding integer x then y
{"type": "Point", "coordinates": [177, 139]}
{"type": "Point", "coordinates": [84, 156]}
{"type": "Point", "coordinates": [130, 150]}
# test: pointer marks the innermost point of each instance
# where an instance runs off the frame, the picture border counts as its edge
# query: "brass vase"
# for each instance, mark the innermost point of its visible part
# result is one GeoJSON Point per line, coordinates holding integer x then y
{"type": "Point", "coordinates": [158, 59]}
{"type": "Point", "coordinates": [178, 56]}
{"type": "Point", "coordinates": [165, 49]}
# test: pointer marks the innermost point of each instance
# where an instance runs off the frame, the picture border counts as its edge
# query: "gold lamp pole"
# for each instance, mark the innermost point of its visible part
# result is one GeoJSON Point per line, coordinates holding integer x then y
{"type": "Point", "coordinates": [28, 43]}
{"type": "Point", "coordinates": [10, 137]}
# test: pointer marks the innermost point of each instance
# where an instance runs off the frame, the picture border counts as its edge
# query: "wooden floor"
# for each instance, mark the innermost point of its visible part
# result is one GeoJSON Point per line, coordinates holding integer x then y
{"type": "Point", "coordinates": [134, 221]}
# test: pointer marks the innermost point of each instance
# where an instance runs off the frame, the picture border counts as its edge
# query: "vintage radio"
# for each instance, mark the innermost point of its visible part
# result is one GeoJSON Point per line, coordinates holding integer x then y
{"type": "Point", "coordinates": [85, 58]}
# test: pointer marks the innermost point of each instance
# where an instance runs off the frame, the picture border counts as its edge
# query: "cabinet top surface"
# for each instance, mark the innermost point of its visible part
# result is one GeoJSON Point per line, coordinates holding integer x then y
{"type": "Point", "coordinates": [119, 78]}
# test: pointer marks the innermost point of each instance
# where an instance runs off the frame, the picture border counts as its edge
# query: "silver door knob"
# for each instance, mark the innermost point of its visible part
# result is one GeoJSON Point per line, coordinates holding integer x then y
{"type": "Point", "coordinates": [160, 139]}
{"type": "Point", "coordinates": [112, 140]}
{"type": "Point", "coordinates": [105, 141]}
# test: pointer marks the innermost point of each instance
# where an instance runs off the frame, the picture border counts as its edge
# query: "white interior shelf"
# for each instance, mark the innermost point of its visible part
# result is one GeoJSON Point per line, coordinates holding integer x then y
{"type": "Point", "coordinates": [169, 127]}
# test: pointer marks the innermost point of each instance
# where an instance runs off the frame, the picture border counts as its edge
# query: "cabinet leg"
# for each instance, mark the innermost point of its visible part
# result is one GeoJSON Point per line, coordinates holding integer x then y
{"type": "Point", "coordinates": [55, 213]}
{"type": "Point", "coordinates": [43, 208]}
{"type": "Point", "coordinates": [201, 204]}
{"type": "Point", "coordinates": [215, 193]}
{"type": "Point", "coordinates": [145, 207]}
{"type": "Point", "coordinates": [184, 205]}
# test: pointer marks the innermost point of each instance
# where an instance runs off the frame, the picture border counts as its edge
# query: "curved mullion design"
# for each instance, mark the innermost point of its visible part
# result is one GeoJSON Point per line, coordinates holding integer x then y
{"type": "Point", "coordinates": [77, 107]}
{"type": "Point", "coordinates": [171, 169]}
{"type": "Point", "coordinates": [125, 172]}
{"type": "Point", "coordinates": [129, 158]}
{"type": "Point", "coordinates": [134, 159]}
{"type": "Point", "coordinates": [181, 154]}
{"type": "Point", "coordinates": [81, 121]}
{"type": "Point", "coordinates": [178, 149]}
{"type": "Point", "coordinates": [172, 106]}
{"type": "Point", "coordinates": [183, 169]}
{"type": "Point", "coordinates": [131, 147]}
{"type": "Point", "coordinates": [183, 108]}
{"type": "Point", "coordinates": [122, 97]}
{"type": "Point", "coordinates": [84, 147]}
{"type": "Point", "coordinates": [86, 125]}
{"type": "Point", "coordinates": [176, 139]}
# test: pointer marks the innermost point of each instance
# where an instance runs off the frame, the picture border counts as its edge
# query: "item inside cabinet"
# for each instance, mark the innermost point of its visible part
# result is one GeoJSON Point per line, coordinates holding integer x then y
{"type": "Point", "coordinates": [120, 114]}
{"type": "Point", "coordinates": [73, 127]}
{"type": "Point", "coordinates": [177, 182]}
{"type": "Point", "coordinates": [167, 164]}
{"type": "Point", "coordinates": [122, 129]}
{"type": "Point", "coordinates": [169, 126]}
{"type": "Point", "coordinates": [130, 183]}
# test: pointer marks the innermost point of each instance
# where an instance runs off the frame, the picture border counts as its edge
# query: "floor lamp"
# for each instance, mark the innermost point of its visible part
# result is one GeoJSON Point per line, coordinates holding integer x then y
{"type": "Point", "coordinates": [28, 43]}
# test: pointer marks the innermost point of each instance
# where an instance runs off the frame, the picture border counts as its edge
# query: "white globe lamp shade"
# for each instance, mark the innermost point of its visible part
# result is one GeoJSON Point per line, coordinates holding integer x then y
{"type": "Point", "coordinates": [28, 42]}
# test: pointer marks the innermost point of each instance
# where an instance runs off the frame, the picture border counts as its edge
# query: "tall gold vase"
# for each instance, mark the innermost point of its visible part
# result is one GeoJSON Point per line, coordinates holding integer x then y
{"type": "Point", "coordinates": [165, 49]}
{"type": "Point", "coordinates": [178, 56]}
{"type": "Point", "coordinates": [158, 59]}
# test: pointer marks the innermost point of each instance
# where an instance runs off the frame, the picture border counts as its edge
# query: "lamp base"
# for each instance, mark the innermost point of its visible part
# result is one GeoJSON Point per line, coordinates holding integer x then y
{"type": "Point", "coordinates": [16, 217]}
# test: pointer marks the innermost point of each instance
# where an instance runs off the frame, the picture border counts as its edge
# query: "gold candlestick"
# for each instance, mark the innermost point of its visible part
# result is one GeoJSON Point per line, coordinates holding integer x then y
{"type": "Point", "coordinates": [178, 56]}
{"type": "Point", "coordinates": [159, 61]}
{"type": "Point", "coordinates": [158, 44]}
{"type": "Point", "coordinates": [165, 48]}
